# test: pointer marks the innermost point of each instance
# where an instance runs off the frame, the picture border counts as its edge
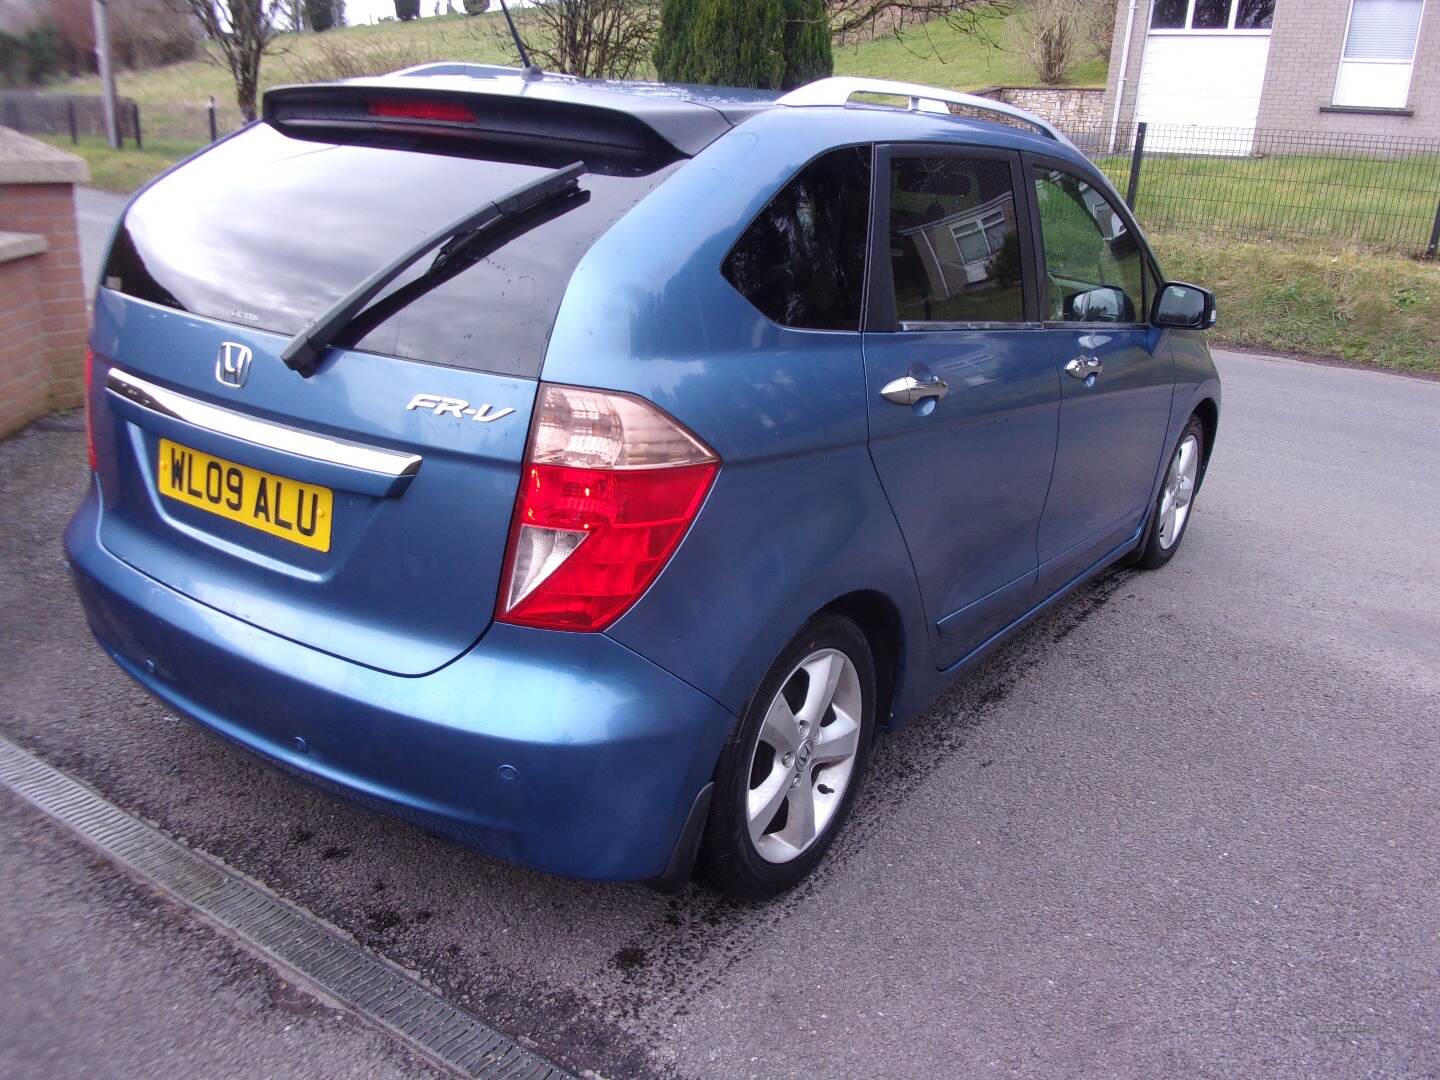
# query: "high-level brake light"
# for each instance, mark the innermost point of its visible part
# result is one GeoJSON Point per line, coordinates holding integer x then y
{"type": "Point", "coordinates": [421, 109]}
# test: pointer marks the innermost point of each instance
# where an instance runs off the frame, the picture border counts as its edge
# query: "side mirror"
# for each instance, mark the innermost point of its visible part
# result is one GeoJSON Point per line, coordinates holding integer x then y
{"type": "Point", "coordinates": [1185, 307]}
{"type": "Point", "coordinates": [1102, 304]}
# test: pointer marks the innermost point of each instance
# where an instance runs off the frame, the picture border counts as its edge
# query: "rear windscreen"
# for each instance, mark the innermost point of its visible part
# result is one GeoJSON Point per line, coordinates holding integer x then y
{"type": "Point", "coordinates": [268, 231]}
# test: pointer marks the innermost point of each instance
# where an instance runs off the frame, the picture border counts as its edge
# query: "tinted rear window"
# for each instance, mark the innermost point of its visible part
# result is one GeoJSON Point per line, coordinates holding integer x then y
{"type": "Point", "coordinates": [268, 231]}
{"type": "Point", "coordinates": [802, 260]}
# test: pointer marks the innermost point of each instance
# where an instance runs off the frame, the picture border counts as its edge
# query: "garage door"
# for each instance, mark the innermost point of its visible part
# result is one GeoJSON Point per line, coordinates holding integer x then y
{"type": "Point", "coordinates": [1201, 81]}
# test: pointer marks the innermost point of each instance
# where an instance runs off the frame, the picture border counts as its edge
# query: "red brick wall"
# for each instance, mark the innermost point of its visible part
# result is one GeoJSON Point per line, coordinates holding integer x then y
{"type": "Point", "coordinates": [24, 375]}
{"type": "Point", "coordinates": [43, 318]}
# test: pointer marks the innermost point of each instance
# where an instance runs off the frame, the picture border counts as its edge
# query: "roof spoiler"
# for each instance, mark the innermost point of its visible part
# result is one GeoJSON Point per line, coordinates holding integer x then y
{"type": "Point", "coordinates": [839, 90]}
{"type": "Point", "coordinates": [378, 106]}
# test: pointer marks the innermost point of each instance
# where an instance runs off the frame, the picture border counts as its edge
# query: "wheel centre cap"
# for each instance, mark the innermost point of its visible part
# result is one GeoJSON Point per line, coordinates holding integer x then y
{"type": "Point", "coordinates": [803, 753]}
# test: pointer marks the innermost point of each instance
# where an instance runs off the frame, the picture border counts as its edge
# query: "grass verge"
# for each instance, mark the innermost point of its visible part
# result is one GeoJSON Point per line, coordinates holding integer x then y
{"type": "Point", "coordinates": [1366, 307]}
{"type": "Point", "coordinates": [124, 170]}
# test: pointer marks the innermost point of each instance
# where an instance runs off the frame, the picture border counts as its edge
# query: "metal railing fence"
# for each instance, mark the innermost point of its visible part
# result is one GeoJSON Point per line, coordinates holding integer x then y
{"type": "Point", "coordinates": [1378, 191]}
{"type": "Point", "coordinates": [76, 116]}
{"type": "Point", "coordinates": [69, 115]}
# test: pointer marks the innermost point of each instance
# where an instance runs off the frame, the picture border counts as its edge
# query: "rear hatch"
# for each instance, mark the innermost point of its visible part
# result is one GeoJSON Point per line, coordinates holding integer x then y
{"type": "Point", "coordinates": [362, 510]}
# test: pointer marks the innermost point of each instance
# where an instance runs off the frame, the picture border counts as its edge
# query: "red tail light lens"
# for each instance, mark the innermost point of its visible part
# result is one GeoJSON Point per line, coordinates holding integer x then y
{"type": "Point", "coordinates": [610, 487]}
{"type": "Point", "coordinates": [89, 419]}
{"type": "Point", "coordinates": [407, 109]}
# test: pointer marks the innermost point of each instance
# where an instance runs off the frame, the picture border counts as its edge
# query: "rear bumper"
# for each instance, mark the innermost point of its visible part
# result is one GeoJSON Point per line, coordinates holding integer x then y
{"type": "Point", "coordinates": [568, 753]}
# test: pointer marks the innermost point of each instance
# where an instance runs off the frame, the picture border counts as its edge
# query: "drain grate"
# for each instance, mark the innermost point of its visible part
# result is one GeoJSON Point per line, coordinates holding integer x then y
{"type": "Point", "coordinates": [286, 935]}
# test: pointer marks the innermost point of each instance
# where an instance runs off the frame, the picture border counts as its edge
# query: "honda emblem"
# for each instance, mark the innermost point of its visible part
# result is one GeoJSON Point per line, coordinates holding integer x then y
{"type": "Point", "coordinates": [232, 364]}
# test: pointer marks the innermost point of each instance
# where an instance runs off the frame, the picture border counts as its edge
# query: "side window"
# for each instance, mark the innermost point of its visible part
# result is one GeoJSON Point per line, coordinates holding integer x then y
{"type": "Point", "coordinates": [802, 260]}
{"type": "Point", "coordinates": [954, 242]}
{"type": "Point", "coordinates": [1094, 269]}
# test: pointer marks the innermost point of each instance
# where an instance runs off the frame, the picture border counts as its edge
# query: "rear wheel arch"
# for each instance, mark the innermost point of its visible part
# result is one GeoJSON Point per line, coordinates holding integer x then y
{"type": "Point", "coordinates": [879, 620]}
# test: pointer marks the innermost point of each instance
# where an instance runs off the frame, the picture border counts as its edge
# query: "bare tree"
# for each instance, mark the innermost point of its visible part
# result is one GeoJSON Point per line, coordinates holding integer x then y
{"type": "Point", "coordinates": [852, 19]}
{"type": "Point", "coordinates": [1051, 35]}
{"type": "Point", "coordinates": [242, 31]}
{"type": "Point", "coordinates": [603, 39]}
{"type": "Point", "coordinates": [1100, 26]}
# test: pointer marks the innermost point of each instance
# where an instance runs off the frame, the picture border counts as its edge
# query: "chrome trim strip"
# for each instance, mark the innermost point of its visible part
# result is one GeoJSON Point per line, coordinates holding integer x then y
{"type": "Point", "coordinates": [260, 432]}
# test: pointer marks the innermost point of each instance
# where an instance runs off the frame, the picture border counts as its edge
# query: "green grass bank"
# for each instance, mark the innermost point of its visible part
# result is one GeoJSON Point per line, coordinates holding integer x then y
{"type": "Point", "coordinates": [1366, 307]}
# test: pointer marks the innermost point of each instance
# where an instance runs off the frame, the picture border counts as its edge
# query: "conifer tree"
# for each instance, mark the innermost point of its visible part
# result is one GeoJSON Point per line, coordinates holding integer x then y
{"type": "Point", "coordinates": [772, 44]}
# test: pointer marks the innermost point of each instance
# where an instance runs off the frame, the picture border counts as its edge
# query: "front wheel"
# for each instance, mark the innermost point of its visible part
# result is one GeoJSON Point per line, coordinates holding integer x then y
{"type": "Point", "coordinates": [789, 773]}
{"type": "Point", "coordinates": [1176, 499]}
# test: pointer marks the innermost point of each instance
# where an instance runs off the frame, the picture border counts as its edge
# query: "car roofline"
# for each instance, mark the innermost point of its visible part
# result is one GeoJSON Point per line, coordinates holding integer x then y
{"type": "Point", "coordinates": [687, 118]}
{"type": "Point", "coordinates": [836, 92]}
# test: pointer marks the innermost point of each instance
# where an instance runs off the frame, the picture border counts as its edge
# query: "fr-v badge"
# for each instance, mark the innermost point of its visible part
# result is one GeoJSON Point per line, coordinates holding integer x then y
{"type": "Point", "coordinates": [232, 364]}
{"type": "Point", "coordinates": [456, 407]}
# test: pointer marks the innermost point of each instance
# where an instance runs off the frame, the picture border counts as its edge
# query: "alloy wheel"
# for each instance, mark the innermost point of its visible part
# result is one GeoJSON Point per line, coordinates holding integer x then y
{"type": "Point", "coordinates": [1178, 491]}
{"type": "Point", "coordinates": [804, 755]}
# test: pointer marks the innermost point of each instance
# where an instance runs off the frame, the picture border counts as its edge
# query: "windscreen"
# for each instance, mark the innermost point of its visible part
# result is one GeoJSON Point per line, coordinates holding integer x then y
{"type": "Point", "coordinates": [268, 231]}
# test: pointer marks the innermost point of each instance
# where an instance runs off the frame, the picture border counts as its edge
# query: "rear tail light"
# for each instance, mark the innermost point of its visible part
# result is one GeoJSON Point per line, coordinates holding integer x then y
{"type": "Point", "coordinates": [89, 412]}
{"type": "Point", "coordinates": [610, 487]}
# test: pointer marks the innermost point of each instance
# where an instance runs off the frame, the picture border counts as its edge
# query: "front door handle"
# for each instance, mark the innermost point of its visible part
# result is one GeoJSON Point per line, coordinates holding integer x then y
{"type": "Point", "coordinates": [1082, 367]}
{"type": "Point", "coordinates": [908, 390]}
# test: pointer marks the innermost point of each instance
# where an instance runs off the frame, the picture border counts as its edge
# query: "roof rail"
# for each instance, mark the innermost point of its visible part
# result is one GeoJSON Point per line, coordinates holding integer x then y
{"type": "Point", "coordinates": [840, 89]}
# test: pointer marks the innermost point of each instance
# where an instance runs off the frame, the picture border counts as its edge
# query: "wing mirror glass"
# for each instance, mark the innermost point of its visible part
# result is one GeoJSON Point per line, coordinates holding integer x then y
{"type": "Point", "coordinates": [1185, 307]}
{"type": "Point", "coordinates": [1102, 304]}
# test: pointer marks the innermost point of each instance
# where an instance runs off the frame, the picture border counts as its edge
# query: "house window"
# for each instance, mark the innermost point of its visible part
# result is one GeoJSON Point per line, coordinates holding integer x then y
{"type": "Point", "coordinates": [1211, 16]}
{"type": "Point", "coordinates": [1379, 53]}
{"type": "Point", "coordinates": [981, 237]}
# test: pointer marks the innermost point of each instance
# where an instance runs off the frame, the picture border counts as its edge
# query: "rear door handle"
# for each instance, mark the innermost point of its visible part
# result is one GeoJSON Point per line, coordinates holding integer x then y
{"type": "Point", "coordinates": [908, 390]}
{"type": "Point", "coordinates": [1082, 367]}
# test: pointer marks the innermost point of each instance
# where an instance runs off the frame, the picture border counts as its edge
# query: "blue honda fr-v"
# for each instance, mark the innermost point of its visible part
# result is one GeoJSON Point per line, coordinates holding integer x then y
{"type": "Point", "coordinates": [586, 471]}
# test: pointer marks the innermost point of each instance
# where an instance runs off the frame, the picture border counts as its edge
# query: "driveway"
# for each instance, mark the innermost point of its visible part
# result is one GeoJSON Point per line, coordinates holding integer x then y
{"type": "Point", "coordinates": [1182, 826]}
{"type": "Point", "coordinates": [95, 214]}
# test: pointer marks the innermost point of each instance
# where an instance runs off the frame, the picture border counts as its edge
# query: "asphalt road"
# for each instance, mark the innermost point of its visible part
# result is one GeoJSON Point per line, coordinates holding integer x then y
{"type": "Point", "coordinates": [1183, 826]}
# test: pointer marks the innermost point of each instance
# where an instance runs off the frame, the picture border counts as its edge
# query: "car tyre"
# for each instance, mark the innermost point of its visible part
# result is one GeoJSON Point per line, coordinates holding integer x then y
{"type": "Point", "coordinates": [789, 773]}
{"type": "Point", "coordinates": [1171, 512]}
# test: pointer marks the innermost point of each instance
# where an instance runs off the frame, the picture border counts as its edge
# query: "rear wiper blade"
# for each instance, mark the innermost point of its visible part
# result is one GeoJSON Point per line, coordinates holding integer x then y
{"type": "Point", "coordinates": [304, 350]}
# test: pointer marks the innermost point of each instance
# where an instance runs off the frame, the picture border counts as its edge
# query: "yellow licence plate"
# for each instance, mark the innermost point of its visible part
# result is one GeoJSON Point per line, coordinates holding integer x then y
{"type": "Point", "coordinates": [282, 507]}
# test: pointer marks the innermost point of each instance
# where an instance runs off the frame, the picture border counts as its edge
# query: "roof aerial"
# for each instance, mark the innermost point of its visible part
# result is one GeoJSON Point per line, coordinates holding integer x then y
{"type": "Point", "coordinates": [529, 70]}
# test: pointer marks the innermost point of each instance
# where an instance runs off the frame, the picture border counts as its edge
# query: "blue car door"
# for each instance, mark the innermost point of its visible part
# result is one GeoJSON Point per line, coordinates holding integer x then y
{"type": "Point", "coordinates": [962, 389]}
{"type": "Point", "coordinates": [1115, 370]}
